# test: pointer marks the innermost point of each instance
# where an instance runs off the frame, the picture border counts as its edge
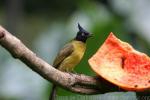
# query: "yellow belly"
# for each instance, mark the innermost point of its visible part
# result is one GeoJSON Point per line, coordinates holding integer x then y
{"type": "Point", "coordinates": [71, 61]}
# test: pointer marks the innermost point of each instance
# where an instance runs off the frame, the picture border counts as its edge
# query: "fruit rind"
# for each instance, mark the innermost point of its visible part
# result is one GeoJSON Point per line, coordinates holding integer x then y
{"type": "Point", "coordinates": [113, 63]}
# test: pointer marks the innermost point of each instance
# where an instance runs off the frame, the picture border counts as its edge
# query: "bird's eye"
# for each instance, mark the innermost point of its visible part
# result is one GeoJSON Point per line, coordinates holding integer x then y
{"type": "Point", "coordinates": [82, 34]}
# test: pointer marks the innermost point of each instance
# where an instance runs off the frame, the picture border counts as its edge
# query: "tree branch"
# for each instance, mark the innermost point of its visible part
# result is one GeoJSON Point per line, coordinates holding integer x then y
{"type": "Point", "coordinates": [73, 82]}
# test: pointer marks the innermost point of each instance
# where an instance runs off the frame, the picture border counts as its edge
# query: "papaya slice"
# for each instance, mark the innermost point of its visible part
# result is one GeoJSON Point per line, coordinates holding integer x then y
{"type": "Point", "coordinates": [120, 64]}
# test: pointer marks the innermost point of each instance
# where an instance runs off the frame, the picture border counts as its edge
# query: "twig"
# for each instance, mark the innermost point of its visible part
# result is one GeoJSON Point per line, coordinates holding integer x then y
{"type": "Point", "coordinates": [73, 82]}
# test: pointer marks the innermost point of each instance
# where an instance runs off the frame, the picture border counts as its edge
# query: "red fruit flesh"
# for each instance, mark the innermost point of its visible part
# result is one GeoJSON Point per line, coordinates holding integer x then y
{"type": "Point", "coordinates": [119, 63]}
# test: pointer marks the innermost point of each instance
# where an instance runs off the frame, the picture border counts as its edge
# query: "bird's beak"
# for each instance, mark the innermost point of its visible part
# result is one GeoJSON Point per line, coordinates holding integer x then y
{"type": "Point", "coordinates": [91, 35]}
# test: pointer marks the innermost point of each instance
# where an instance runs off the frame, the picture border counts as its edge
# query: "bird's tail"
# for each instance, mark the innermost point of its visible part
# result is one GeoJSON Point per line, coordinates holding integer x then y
{"type": "Point", "coordinates": [53, 93]}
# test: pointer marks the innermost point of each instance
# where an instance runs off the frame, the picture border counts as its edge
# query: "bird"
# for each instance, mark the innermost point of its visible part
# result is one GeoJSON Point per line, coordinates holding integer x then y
{"type": "Point", "coordinates": [70, 55]}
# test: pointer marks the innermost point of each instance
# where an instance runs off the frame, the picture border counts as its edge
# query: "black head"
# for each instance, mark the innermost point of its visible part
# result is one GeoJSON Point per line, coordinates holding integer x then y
{"type": "Point", "coordinates": [82, 34]}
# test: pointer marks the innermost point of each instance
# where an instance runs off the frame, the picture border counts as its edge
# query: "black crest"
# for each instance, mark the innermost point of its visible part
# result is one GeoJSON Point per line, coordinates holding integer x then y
{"type": "Point", "coordinates": [82, 34]}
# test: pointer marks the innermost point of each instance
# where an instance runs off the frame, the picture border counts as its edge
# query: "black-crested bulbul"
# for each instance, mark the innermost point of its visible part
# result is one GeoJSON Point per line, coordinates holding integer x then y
{"type": "Point", "coordinates": [70, 55]}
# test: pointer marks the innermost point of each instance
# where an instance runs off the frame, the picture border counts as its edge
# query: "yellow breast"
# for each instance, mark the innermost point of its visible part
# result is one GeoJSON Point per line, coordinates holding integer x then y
{"type": "Point", "coordinates": [70, 62]}
{"type": "Point", "coordinates": [79, 49]}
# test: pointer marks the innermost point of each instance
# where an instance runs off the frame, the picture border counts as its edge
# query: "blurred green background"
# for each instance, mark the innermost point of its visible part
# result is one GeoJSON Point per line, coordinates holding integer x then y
{"type": "Point", "coordinates": [46, 25]}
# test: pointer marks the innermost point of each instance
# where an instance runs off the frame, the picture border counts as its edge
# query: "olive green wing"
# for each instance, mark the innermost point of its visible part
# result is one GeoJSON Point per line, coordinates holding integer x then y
{"type": "Point", "coordinates": [64, 52]}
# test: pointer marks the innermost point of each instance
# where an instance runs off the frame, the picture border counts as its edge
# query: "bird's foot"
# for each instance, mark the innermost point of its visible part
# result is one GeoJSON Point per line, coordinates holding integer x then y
{"type": "Point", "coordinates": [74, 72]}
